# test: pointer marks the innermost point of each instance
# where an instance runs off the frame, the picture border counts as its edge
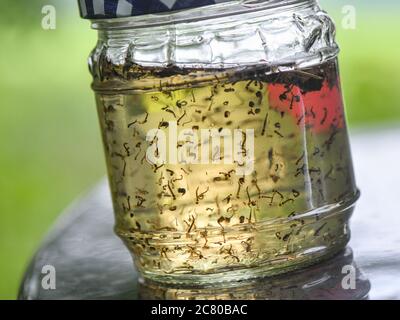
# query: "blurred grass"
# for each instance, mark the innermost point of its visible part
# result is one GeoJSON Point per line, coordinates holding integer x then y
{"type": "Point", "coordinates": [370, 70]}
{"type": "Point", "coordinates": [49, 138]}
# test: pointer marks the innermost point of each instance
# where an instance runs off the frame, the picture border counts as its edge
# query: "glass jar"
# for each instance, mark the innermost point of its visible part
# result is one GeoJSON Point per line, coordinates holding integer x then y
{"type": "Point", "coordinates": [225, 136]}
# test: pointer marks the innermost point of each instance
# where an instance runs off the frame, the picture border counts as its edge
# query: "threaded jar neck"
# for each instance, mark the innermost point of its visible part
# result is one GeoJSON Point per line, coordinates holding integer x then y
{"type": "Point", "coordinates": [212, 12]}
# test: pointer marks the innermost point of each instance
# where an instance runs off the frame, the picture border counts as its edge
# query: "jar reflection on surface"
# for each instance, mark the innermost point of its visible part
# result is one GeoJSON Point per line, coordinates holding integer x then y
{"type": "Point", "coordinates": [326, 281]}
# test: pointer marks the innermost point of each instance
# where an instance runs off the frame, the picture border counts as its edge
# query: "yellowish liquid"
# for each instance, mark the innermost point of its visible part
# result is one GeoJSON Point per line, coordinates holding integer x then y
{"type": "Point", "coordinates": [205, 222]}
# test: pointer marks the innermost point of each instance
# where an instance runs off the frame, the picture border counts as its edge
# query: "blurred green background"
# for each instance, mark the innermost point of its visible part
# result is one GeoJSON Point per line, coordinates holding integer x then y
{"type": "Point", "coordinates": [49, 137]}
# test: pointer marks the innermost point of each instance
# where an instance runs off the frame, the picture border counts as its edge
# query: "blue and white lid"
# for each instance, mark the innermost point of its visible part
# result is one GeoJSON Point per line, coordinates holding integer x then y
{"type": "Point", "coordinates": [101, 9]}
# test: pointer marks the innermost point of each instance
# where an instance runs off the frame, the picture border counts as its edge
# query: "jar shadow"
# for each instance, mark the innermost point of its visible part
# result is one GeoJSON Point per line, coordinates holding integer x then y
{"type": "Point", "coordinates": [336, 279]}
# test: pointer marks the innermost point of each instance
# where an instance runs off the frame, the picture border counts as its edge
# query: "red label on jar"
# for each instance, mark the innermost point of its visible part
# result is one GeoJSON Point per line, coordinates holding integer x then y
{"type": "Point", "coordinates": [320, 110]}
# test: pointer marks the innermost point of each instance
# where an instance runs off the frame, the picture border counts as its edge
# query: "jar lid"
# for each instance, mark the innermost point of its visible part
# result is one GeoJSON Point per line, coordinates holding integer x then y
{"type": "Point", "coordinates": [108, 9]}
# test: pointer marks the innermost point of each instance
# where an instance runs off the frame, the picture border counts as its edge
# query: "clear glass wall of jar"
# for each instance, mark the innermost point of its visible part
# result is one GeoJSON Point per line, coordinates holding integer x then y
{"type": "Point", "coordinates": [225, 139]}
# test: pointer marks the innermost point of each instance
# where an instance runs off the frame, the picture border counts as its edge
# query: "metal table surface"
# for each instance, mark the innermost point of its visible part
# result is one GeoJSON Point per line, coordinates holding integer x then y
{"type": "Point", "coordinates": [92, 263]}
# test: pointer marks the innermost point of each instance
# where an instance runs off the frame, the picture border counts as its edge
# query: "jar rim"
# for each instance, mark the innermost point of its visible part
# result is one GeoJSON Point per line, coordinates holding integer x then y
{"type": "Point", "coordinates": [221, 10]}
{"type": "Point", "coordinates": [282, 37]}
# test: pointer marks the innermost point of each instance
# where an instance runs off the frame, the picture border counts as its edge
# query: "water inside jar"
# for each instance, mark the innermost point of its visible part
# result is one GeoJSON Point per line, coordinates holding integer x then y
{"type": "Point", "coordinates": [243, 169]}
